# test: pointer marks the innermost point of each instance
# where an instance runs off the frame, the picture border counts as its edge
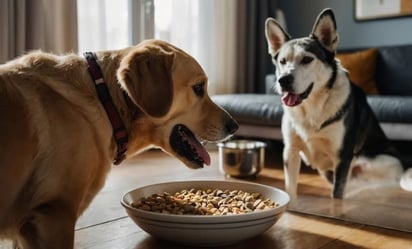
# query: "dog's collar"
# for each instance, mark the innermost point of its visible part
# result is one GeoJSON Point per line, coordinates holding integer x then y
{"type": "Point", "coordinates": [119, 130]}
{"type": "Point", "coordinates": [338, 115]}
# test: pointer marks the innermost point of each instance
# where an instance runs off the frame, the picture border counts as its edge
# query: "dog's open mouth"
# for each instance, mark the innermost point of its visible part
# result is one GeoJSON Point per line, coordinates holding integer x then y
{"type": "Point", "coordinates": [291, 99]}
{"type": "Point", "coordinates": [184, 142]}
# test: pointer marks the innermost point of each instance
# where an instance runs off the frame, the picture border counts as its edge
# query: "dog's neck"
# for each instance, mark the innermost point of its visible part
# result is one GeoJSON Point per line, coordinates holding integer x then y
{"type": "Point", "coordinates": [120, 134]}
{"type": "Point", "coordinates": [313, 107]}
{"type": "Point", "coordinates": [109, 61]}
{"type": "Point", "coordinates": [131, 115]}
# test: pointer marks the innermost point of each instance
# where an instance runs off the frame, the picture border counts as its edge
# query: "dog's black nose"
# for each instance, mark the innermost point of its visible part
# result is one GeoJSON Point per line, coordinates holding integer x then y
{"type": "Point", "coordinates": [231, 126]}
{"type": "Point", "coordinates": [286, 81]}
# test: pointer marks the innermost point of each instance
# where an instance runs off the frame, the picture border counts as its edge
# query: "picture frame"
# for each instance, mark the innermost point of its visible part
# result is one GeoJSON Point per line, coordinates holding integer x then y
{"type": "Point", "coordinates": [365, 10]}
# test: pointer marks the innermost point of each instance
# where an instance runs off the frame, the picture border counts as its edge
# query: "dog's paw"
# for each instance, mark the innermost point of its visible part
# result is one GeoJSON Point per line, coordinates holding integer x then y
{"type": "Point", "coordinates": [406, 180]}
{"type": "Point", "coordinates": [293, 201]}
{"type": "Point", "coordinates": [292, 205]}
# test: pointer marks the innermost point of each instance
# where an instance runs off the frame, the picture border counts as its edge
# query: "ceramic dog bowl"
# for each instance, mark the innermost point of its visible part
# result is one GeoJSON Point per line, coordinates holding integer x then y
{"type": "Point", "coordinates": [241, 158]}
{"type": "Point", "coordinates": [205, 230]}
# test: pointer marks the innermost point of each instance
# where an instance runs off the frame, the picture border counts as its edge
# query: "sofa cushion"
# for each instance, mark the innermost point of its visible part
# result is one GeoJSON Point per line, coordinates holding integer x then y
{"type": "Point", "coordinates": [391, 109]}
{"type": "Point", "coordinates": [394, 71]}
{"type": "Point", "coordinates": [266, 109]}
{"type": "Point", "coordinates": [256, 109]}
{"type": "Point", "coordinates": [361, 66]}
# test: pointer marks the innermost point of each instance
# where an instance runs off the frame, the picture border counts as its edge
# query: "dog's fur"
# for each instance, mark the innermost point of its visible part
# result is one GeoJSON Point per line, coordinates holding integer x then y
{"type": "Point", "coordinates": [56, 143]}
{"type": "Point", "coordinates": [327, 121]}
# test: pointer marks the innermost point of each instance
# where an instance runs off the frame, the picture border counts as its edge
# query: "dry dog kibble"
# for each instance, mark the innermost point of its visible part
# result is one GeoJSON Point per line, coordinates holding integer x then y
{"type": "Point", "coordinates": [205, 202]}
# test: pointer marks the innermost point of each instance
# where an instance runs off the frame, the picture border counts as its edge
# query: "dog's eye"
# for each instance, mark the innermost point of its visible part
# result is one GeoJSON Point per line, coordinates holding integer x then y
{"type": "Point", "coordinates": [306, 60]}
{"type": "Point", "coordinates": [283, 61]}
{"type": "Point", "coordinates": [199, 89]}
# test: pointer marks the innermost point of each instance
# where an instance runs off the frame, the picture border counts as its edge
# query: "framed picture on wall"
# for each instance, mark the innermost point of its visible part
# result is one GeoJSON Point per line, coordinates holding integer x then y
{"type": "Point", "coordinates": [380, 9]}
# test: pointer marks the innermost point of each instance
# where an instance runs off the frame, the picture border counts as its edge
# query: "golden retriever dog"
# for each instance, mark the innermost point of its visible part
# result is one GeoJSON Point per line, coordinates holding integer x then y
{"type": "Point", "coordinates": [58, 137]}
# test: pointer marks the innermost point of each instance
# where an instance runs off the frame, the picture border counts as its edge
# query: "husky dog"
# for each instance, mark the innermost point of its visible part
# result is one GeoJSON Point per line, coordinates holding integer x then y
{"type": "Point", "coordinates": [327, 121]}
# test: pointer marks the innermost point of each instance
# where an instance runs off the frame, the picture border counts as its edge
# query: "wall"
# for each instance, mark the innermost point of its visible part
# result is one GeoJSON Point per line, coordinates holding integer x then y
{"type": "Point", "coordinates": [301, 14]}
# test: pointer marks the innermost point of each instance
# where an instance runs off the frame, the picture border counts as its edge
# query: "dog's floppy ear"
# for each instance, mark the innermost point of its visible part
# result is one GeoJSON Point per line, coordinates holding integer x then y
{"type": "Point", "coordinates": [147, 79]}
{"type": "Point", "coordinates": [275, 35]}
{"type": "Point", "coordinates": [325, 30]}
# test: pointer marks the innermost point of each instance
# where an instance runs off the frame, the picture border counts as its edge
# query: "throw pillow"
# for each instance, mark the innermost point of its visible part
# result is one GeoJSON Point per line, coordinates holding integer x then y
{"type": "Point", "coordinates": [361, 66]}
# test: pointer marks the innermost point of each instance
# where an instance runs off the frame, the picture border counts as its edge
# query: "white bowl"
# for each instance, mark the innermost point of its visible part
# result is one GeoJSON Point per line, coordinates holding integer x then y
{"type": "Point", "coordinates": [202, 230]}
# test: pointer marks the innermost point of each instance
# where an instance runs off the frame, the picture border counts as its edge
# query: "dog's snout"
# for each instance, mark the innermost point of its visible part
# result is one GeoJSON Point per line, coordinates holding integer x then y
{"type": "Point", "coordinates": [231, 126]}
{"type": "Point", "coordinates": [286, 81]}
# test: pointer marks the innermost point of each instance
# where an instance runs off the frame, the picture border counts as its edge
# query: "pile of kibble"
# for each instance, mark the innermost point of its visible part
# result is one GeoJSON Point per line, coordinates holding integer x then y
{"type": "Point", "coordinates": [205, 202]}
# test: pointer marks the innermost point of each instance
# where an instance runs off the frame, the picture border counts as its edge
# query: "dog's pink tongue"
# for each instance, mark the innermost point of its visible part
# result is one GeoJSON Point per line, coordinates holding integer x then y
{"type": "Point", "coordinates": [200, 150]}
{"type": "Point", "coordinates": [290, 99]}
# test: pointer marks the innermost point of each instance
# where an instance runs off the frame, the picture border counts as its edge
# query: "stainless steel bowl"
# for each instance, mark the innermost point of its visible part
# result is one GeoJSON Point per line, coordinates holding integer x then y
{"type": "Point", "coordinates": [241, 158]}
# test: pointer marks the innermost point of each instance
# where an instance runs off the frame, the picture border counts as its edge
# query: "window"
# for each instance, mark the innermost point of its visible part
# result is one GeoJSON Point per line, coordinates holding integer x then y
{"type": "Point", "coordinates": [102, 24]}
{"type": "Point", "coordinates": [205, 29]}
{"type": "Point", "coordinates": [177, 21]}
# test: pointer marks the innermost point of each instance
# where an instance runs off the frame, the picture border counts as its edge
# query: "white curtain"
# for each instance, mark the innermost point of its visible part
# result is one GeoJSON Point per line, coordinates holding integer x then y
{"type": "Point", "coordinates": [206, 29]}
{"type": "Point", "coordinates": [103, 24]}
{"type": "Point", "coordinates": [49, 25]}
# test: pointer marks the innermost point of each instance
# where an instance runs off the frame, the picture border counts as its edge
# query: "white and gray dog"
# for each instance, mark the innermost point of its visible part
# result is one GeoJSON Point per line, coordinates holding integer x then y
{"type": "Point", "coordinates": [327, 121]}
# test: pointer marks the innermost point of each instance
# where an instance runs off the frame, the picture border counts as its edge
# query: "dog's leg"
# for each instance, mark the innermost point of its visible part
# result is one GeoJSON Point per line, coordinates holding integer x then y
{"type": "Point", "coordinates": [49, 226]}
{"type": "Point", "coordinates": [292, 163]}
{"type": "Point", "coordinates": [328, 175]}
{"type": "Point", "coordinates": [341, 177]}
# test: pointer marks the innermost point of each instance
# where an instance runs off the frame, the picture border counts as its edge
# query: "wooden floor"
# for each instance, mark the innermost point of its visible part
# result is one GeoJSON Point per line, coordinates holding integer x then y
{"type": "Point", "coordinates": [106, 225]}
{"type": "Point", "coordinates": [379, 203]}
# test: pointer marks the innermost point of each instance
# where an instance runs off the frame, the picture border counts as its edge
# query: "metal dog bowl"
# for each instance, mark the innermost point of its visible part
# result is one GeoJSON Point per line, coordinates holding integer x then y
{"type": "Point", "coordinates": [241, 158]}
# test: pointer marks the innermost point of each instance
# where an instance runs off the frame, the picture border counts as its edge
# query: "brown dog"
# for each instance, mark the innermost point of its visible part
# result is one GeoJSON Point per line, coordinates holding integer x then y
{"type": "Point", "coordinates": [57, 143]}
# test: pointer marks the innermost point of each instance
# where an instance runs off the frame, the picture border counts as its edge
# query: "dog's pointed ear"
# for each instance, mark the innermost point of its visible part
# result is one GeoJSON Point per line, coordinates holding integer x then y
{"type": "Point", "coordinates": [147, 79]}
{"type": "Point", "coordinates": [275, 35]}
{"type": "Point", "coordinates": [325, 30]}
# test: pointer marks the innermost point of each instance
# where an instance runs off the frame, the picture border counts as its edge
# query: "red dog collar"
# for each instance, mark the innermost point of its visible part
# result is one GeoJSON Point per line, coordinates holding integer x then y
{"type": "Point", "coordinates": [119, 131]}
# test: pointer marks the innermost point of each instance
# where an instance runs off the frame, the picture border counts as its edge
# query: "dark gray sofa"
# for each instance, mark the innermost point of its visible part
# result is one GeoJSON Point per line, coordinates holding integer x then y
{"type": "Point", "coordinates": [259, 115]}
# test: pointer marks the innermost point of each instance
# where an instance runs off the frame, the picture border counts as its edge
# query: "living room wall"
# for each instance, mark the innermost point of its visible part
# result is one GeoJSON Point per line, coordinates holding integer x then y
{"type": "Point", "coordinates": [301, 14]}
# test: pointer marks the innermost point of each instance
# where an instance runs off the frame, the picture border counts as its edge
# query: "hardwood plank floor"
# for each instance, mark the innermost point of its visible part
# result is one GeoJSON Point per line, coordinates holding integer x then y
{"type": "Point", "coordinates": [105, 223]}
{"type": "Point", "coordinates": [293, 230]}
